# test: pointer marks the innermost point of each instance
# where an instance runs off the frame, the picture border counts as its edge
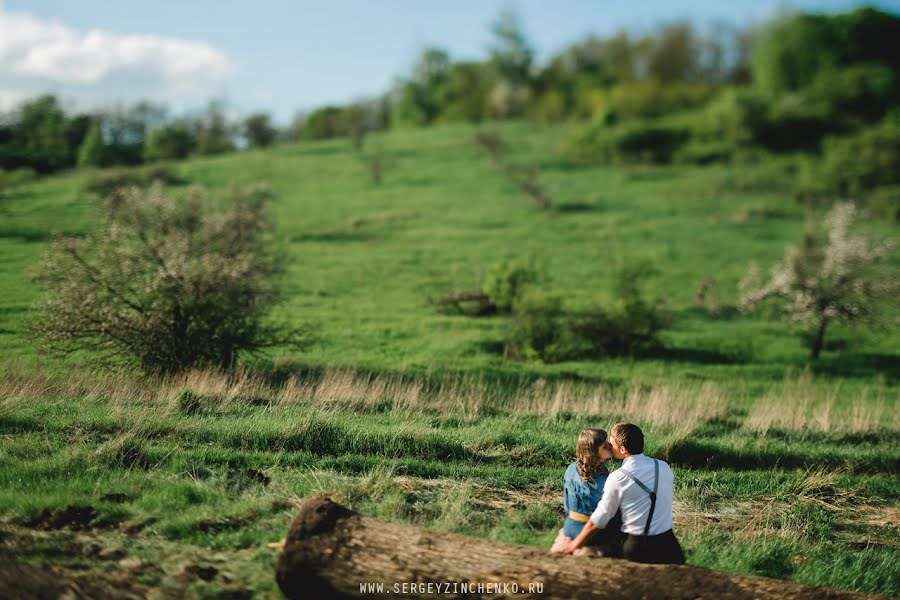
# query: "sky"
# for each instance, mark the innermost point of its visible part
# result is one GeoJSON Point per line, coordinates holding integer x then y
{"type": "Point", "coordinates": [285, 56]}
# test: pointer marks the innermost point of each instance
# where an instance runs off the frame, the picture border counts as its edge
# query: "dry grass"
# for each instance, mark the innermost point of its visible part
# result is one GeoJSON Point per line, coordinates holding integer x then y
{"type": "Point", "coordinates": [799, 404]}
{"type": "Point", "coordinates": [675, 406]}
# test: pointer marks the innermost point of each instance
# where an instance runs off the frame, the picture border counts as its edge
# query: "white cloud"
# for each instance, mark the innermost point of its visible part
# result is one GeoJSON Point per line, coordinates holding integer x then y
{"type": "Point", "coordinates": [102, 67]}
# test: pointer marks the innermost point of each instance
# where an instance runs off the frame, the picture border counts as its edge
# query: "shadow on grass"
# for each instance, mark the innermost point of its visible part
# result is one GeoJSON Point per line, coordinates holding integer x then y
{"type": "Point", "coordinates": [503, 377]}
{"type": "Point", "coordinates": [863, 365]}
{"type": "Point", "coordinates": [334, 236]}
{"type": "Point", "coordinates": [576, 207]}
{"type": "Point", "coordinates": [26, 235]}
{"type": "Point", "coordinates": [697, 356]}
{"type": "Point", "coordinates": [709, 454]}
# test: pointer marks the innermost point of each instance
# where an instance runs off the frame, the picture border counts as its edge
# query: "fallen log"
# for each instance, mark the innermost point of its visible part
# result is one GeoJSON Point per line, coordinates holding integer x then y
{"type": "Point", "coordinates": [333, 552]}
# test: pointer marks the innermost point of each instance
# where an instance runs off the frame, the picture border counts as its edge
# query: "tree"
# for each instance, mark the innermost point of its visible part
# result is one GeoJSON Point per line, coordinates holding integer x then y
{"type": "Point", "coordinates": [93, 150]}
{"type": "Point", "coordinates": [212, 131]}
{"type": "Point", "coordinates": [259, 131]}
{"type": "Point", "coordinates": [829, 277]}
{"type": "Point", "coordinates": [164, 283]}
{"type": "Point", "coordinates": [792, 53]}
{"type": "Point", "coordinates": [170, 142]}
{"type": "Point", "coordinates": [125, 130]}
{"type": "Point", "coordinates": [511, 52]}
{"type": "Point", "coordinates": [674, 54]}
{"type": "Point", "coordinates": [329, 549]}
{"type": "Point", "coordinates": [41, 134]}
{"type": "Point", "coordinates": [421, 99]}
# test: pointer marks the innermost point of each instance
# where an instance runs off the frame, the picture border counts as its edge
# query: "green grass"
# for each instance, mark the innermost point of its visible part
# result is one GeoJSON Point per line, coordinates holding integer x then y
{"type": "Point", "coordinates": [783, 469]}
{"type": "Point", "coordinates": [366, 258]}
{"type": "Point", "coordinates": [174, 489]}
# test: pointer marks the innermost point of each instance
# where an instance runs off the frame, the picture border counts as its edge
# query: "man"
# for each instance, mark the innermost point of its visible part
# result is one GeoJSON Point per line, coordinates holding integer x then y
{"type": "Point", "coordinates": [642, 489]}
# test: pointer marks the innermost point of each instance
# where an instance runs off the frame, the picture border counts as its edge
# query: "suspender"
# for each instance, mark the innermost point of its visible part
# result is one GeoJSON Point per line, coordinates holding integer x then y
{"type": "Point", "coordinates": [646, 489]}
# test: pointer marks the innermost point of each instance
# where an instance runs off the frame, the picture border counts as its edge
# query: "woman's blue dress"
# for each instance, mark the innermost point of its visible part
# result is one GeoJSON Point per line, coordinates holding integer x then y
{"type": "Point", "coordinates": [580, 496]}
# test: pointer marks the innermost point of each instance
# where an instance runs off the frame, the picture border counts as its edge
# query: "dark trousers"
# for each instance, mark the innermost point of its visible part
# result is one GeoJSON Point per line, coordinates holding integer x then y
{"type": "Point", "coordinates": [655, 549]}
{"type": "Point", "coordinates": [609, 539]}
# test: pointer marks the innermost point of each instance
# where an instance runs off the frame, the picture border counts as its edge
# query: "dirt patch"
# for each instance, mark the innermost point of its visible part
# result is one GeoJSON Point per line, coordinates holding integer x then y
{"type": "Point", "coordinates": [881, 516]}
{"type": "Point", "coordinates": [204, 572]}
{"type": "Point", "coordinates": [72, 517]}
{"type": "Point", "coordinates": [25, 582]}
{"type": "Point", "coordinates": [219, 525]}
{"type": "Point", "coordinates": [100, 564]}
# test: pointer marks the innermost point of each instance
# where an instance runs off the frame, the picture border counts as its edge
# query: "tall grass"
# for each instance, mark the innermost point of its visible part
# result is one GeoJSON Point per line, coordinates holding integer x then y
{"type": "Point", "coordinates": [799, 404]}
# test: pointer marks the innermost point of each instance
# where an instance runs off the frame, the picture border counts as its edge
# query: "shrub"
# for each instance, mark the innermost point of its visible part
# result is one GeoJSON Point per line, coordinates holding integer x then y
{"type": "Point", "coordinates": [503, 285]}
{"type": "Point", "coordinates": [543, 328]}
{"type": "Point", "coordinates": [469, 303]}
{"type": "Point", "coordinates": [13, 178]}
{"type": "Point", "coordinates": [506, 282]}
{"type": "Point", "coordinates": [650, 98]}
{"type": "Point", "coordinates": [866, 91]}
{"type": "Point", "coordinates": [538, 329]}
{"type": "Point", "coordinates": [164, 283]}
{"type": "Point", "coordinates": [737, 115]}
{"type": "Point", "coordinates": [796, 122]}
{"type": "Point", "coordinates": [636, 141]}
{"type": "Point", "coordinates": [854, 165]}
{"type": "Point", "coordinates": [884, 203]}
{"type": "Point", "coordinates": [108, 182]}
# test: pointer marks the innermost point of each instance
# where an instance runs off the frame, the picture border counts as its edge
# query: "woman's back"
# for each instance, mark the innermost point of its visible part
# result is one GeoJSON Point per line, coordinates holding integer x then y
{"type": "Point", "coordinates": [580, 497]}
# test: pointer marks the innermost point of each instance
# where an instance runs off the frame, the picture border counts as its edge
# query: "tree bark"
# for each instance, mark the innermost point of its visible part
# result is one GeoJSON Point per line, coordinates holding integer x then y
{"type": "Point", "coordinates": [819, 340]}
{"type": "Point", "coordinates": [332, 552]}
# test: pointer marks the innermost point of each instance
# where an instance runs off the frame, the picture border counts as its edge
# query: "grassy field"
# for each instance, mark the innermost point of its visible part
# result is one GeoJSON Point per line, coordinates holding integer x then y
{"type": "Point", "coordinates": [782, 469]}
{"type": "Point", "coordinates": [156, 485]}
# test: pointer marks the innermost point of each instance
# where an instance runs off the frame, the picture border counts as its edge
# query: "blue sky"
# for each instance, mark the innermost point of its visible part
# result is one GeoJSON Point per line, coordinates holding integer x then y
{"type": "Point", "coordinates": [283, 56]}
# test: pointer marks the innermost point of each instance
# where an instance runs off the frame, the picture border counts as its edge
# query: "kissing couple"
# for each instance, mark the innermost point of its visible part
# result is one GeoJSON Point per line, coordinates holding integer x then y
{"type": "Point", "coordinates": [626, 513]}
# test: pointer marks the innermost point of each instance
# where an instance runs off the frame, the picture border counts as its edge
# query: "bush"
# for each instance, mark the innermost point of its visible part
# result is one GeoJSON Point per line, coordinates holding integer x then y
{"type": "Point", "coordinates": [542, 327]}
{"type": "Point", "coordinates": [164, 283]}
{"type": "Point", "coordinates": [884, 203]}
{"type": "Point", "coordinates": [538, 329]}
{"type": "Point", "coordinates": [636, 141]}
{"type": "Point", "coordinates": [865, 91]}
{"type": "Point", "coordinates": [506, 282]}
{"type": "Point", "coordinates": [737, 115]}
{"type": "Point", "coordinates": [106, 183]}
{"type": "Point", "coordinates": [14, 177]}
{"type": "Point", "coordinates": [854, 165]}
{"type": "Point", "coordinates": [796, 122]}
{"type": "Point", "coordinates": [650, 98]}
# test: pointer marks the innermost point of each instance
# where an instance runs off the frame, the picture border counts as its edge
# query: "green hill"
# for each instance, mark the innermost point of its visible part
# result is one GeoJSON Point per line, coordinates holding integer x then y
{"type": "Point", "coordinates": [414, 416]}
{"type": "Point", "coordinates": [366, 258]}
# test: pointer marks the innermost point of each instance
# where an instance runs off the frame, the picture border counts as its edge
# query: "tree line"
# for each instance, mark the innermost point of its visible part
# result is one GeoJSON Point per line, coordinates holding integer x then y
{"type": "Point", "coordinates": [609, 79]}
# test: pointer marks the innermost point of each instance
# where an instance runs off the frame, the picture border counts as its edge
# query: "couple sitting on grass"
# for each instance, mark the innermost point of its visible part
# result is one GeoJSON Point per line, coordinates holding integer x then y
{"type": "Point", "coordinates": [623, 514]}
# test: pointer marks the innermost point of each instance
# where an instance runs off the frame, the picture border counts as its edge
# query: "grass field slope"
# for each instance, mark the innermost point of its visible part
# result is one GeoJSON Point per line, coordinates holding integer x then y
{"type": "Point", "coordinates": [783, 468]}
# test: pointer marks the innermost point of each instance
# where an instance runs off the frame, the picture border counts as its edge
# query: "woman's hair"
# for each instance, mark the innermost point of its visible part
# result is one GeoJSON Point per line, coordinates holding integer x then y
{"type": "Point", "coordinates": [587, 454]}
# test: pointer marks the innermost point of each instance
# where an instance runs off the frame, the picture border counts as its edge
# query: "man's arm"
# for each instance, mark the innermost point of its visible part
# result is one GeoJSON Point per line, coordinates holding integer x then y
{"type": "Point", "coordinates": [587, 531]}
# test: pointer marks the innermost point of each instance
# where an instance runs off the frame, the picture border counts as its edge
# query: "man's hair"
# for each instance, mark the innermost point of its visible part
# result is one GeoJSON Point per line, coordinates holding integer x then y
{"type": "Point", "coordinates": [628, 435]}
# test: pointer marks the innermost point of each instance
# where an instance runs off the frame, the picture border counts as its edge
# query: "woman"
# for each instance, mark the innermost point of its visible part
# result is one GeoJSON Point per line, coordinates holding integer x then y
{"type": "Point", "coordinates": [582, 489]}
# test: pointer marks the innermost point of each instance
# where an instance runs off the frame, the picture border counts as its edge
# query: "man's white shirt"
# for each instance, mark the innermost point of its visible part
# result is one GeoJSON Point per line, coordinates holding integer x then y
{"type": "Point", "coordinates": [621, 492]}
